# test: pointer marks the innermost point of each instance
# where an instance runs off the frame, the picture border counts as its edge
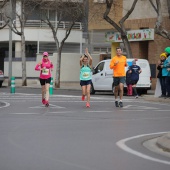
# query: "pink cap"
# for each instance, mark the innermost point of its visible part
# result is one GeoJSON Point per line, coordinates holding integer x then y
{"type": "Point", "coordinates": [45, 53]}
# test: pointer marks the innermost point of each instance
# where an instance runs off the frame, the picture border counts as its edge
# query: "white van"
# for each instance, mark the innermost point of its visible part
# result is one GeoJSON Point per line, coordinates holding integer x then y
{"type": "Point", "coordinates": [102, 78]}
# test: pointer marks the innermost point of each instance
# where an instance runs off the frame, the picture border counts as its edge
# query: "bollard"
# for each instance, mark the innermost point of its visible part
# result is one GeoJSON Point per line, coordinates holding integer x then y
{"type": "Point", "coordinates": [12, 84]}
{"type": "Point", "coordinates": [51, 87]}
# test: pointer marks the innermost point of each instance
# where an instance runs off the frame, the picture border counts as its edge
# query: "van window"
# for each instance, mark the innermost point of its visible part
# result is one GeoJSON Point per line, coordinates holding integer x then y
{"type": "Point", "coordinates": [107, 67]}
{"type": "Point", "coordinates": [99, 68]}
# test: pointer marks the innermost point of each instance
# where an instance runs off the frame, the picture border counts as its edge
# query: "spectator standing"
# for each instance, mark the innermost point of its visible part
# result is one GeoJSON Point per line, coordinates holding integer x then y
{"type": "Point", "coordinates": [129, 83]}
{"type": "Point", "coordinates": [161, 78]}
{"type": "Point", "coordinates": [135, 70]}
{"type": "Point", "coordinates": [118, 64]}
{"type": "Point", "coordinates": [166, 71]}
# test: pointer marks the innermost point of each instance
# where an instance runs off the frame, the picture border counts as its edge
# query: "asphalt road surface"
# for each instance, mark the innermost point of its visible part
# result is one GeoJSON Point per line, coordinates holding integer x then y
{"type": "Point", "coordinates": [69, 136]}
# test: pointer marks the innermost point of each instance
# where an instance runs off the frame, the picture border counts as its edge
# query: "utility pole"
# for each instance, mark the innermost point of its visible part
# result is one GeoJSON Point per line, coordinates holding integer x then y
{"type": "Point", "coordinates": [10, 46]}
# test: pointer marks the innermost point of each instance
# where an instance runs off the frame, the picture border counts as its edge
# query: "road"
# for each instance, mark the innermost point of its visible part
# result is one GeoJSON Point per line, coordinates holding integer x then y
{"type": "Point", "coordinates": [69, 136]}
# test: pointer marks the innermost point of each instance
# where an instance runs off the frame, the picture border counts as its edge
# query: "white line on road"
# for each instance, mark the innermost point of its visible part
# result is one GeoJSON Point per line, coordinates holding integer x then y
{"type": "Point", "coordinates": [121, 144]}
{"type": "Point", "coordinates": [6, 104]}
{"type": "Point", "coordinates": [24, 113]}
{"type": "Point", "coordinates": [51, 106]}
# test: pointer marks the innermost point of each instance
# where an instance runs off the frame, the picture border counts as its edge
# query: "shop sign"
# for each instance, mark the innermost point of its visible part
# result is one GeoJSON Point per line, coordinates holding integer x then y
{"type": "Point", "coordinates": [133, 35]}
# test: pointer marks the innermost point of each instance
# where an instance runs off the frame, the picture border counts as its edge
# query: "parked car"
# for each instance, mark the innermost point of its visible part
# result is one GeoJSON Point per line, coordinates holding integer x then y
{"type": "Point", "coordinates": [1, 77]}
{"type": "Point", "coordinates": [102, 78]}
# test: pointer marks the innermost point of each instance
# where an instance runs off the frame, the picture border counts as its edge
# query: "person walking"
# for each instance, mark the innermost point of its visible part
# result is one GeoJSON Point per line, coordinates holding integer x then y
{"type": "Point", "coordinates": [86, 76]}
{"type": "Point", "coordinates": [166, 71]}
{"type": "Point", "coordinates": [45, 67]}
{"type": "Point", "coordinates": [135, 70]}
{"type": "Point", "coordinates": [118, 64]}
{"type": "Point", "coordinates": [161, 78]}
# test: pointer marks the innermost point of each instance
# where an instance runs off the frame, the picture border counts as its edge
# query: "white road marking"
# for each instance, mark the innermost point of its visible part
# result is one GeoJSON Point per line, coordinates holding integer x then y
{"type": "Point", "coordinates": [121, 144]}
{"type": "Point", "coordinates": [24, 113]}
{"type": "Point", "coordinates": [100, 111]}
{"type": "Point", "coordinates": [63, 112]}
{"type": "Point", "coordinates": [164, 110]}
{"type": "Point", "coordinates": [51, 106]}
{"type": "Point", "coordinates": [6, 104]}
{"type": "Point", "coordinates": [137, 107]}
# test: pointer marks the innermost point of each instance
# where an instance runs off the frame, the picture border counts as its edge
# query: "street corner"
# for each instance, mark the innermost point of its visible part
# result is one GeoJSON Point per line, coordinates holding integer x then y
{"type": "Point", "coordinates": [152, 98]}
{"type": "Point", "coordinates": [164, 142]}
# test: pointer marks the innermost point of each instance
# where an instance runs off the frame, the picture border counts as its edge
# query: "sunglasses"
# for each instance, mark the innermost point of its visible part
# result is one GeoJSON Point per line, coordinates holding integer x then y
{"type": "Point", "coordinates": [45, 56]}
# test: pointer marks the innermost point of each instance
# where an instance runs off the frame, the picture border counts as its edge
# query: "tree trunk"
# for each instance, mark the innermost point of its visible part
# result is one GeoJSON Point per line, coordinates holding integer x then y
{"type": "Point", "coordinates": [57, 82]}
{"type": "Point", "coordinates": [127, 47]}
{"type": "Point", "coordinates": [24, 80]}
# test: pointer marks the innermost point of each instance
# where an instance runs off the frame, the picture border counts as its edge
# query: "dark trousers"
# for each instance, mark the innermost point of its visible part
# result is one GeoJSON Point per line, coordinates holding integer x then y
{"type": "Point", "coordinates": [167, 82]}
{"type": "Point", "coordinates": [163, 85]}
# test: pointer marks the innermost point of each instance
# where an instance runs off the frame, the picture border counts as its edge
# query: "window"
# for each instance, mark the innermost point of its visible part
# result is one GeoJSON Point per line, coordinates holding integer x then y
{"type": "Point", "coordinates": [99, 1]}
{"type": "Point", "coordinates": [99, 68]}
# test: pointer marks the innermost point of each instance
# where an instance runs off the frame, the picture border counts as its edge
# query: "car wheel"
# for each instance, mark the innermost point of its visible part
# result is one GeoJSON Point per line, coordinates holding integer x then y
{"type": "Point", "coordinates": [92, 91]}
{"type": "Point", "coordinates": [0, 83]}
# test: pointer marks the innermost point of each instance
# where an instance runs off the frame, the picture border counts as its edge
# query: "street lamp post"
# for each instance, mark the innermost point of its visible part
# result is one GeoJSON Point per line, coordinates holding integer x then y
{"type": "Point", "coordinates": [10, 46]}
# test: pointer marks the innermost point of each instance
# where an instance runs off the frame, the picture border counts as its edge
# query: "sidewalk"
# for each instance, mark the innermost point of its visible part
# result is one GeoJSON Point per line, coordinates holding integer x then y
{"type": "Point", "coordinates": [36, 84]}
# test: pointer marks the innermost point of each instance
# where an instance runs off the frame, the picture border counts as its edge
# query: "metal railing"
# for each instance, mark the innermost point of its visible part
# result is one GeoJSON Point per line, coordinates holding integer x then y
{"type": "Point", "coordinates": [41, 24]}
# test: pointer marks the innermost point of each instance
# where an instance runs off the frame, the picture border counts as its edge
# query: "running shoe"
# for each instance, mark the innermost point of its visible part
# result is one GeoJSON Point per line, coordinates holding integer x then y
{"type": "Point", "coordinates": [43, 101]}
{"type": "Point", "coordinates": [46, 103]}
{"type": "Point", "coordinates": [136, 96]}
{"type": "Point", "coordinates": [116, 104]}
{"type": "Point", "coordinates": [83, 97]}
{"type": "Point", "coordinates": [87, 104]}
{"type": "Point", "coordinates": [120, 104]}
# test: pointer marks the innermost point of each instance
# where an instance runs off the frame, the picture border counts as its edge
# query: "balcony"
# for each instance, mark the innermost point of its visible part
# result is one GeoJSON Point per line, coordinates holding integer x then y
{"type": "Point", "coordinates": [40, 24]}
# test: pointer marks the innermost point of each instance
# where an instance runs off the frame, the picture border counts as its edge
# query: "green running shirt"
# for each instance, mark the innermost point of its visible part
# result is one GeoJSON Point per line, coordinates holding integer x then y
{"type": "Point", "coordinates": [85, 73]}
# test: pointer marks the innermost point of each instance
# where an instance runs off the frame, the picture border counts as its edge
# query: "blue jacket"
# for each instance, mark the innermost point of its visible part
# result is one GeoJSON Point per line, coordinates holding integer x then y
{"type": "Point", "coordinates": [166, 65]}
{"type": "Point", "coordinates": [135, 72]}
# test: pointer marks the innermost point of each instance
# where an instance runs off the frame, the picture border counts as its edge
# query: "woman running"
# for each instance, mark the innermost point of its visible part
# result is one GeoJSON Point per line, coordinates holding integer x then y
{"type": "Point", "coordinates": [86, 76]}
{"type": "Point", "coordinates": [45, 67]}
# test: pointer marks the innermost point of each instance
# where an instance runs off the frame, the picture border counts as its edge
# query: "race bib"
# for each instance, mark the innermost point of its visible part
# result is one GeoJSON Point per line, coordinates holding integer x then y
{"type": "Point", "coordinates": [86, 74]}
{"type": "Point", "coordinates": [45, 71]}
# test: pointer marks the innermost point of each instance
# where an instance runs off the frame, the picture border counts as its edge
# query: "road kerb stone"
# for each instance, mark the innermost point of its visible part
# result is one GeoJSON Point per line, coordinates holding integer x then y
{"type": "Point", "coordinates": [164, 142]}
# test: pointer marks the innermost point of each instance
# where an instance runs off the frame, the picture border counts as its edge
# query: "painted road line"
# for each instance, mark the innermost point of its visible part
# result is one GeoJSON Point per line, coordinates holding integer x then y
{"type": "Point", "coordinates": [24, 113]}
{"type": "Point", "coordinates": [50, 105]}
{"type": "Point", "coordinates": [137, 107]}
{"type": "Point", "coordinates": [121, 144]}
{"type": "Point", "coordinates": [6, 104]}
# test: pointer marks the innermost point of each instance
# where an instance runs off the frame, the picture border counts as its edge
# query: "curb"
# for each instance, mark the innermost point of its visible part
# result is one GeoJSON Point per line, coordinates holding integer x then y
{"type": "Point", "coordinates": [164, 142]}
{"type": "Point", "coordinates": [155, 99]}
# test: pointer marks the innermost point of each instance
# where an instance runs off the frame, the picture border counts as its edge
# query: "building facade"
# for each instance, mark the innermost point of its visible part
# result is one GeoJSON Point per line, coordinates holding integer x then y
{"type": "Point", "coordinates": [142, 19]}
{"type": "Point", "coordinates": [91, 33]}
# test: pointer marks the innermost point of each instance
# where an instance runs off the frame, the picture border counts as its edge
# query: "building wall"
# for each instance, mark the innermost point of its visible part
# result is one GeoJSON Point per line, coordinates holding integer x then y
{"type": "Point", "coordinates": [144, 9]}
{"type": "Point", "coordinates": [155, 48]}
{"type": "Point", "coordinates": [70, 67]}
{"type": "Point", "coordinates": [44, 35]}
{"type": "Point", "coordinates": [96, 11]}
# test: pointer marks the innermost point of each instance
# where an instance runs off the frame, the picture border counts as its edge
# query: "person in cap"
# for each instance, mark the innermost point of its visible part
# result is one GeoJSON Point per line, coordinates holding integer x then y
{"type": "Point", "coordinates": [135, 70]}
{"type": "Point", "coordinates": [45, 67]}
{"type": "Point", "coordinates": [166, 71]}
{"type": "Point", "coordinates": [161, 78]}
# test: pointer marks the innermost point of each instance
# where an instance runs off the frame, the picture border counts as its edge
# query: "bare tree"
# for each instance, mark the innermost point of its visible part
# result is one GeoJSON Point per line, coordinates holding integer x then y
{"type": "Point", "coordinates": [2, 5]}
{"type": "Point", "coordinates": [120, 28]}
{"type": "Point", "coordinates": [21, 9]}
{"type": "Point", "coordinates": [158, 25]}
{"type": "Point", "coordinates": [68, 10]}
